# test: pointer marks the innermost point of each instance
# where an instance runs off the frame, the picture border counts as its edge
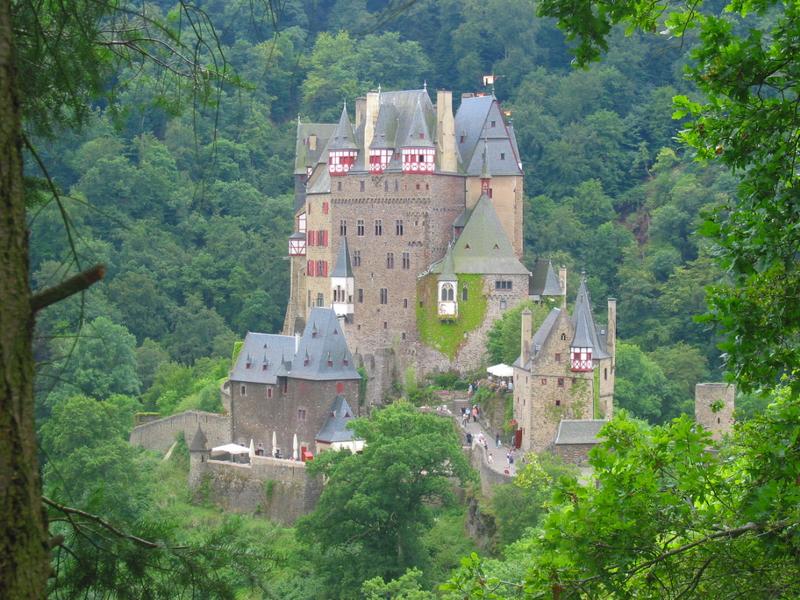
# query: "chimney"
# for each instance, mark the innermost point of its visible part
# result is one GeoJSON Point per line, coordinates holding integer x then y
{"type": "Point", "coordinates": [611, 335]}
{"type": "Point", "coordinates": [370, 118]}
{"type": "Point", "coordinates": [562, 281]}
{"type": "Point", "coordinates": [525, 353]}
{"type": "Point", "coordinates": [446, 131]}
{"type": "Point", "coordinates": [361, 106]}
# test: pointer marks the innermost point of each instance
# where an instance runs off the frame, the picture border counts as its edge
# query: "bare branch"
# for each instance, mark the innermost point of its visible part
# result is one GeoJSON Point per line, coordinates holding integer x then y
{"type": "Point", "coordinates": [68, 287]}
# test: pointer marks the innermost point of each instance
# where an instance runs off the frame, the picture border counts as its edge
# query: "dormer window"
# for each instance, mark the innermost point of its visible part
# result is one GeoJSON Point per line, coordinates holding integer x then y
{"type": "Point", "coordinates": [421, 136]}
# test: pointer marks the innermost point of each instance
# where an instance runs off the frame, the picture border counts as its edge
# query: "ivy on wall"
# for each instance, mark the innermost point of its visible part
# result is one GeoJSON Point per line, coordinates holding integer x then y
{"type": "Point", "coordinates": [448, 336]}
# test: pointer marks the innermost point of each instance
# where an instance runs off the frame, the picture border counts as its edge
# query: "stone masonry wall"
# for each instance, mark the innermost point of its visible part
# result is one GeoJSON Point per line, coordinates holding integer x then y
{"type": "Point", "coordinates": [280, 490]}
{"type": "Point", "coordinates": [705, 396]}
{"type": "Point", "coordinates": [160, 434]}
{"type": "Point", "coordinates": [577, 454]}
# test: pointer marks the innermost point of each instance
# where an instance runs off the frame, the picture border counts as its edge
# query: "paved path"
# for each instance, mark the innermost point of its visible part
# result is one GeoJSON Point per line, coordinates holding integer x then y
{"type": "Point", "coordinates": [499, 462]}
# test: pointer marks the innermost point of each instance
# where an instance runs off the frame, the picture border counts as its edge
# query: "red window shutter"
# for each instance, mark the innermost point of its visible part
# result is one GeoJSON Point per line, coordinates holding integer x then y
{"type": "Point", "coordinates": [312, 238]}
{"type": "Point", "coordinates": [324, 208]}
{"type": "Point", "coordinates": [310, 268]}
{"type": "Point", "coordinates": [339, 387]}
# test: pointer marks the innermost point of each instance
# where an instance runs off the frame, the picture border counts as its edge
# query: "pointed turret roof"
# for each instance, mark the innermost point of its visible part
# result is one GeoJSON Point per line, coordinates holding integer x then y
{"type": "Point", "coordinates": [582, 320]}
{"type": "Point", "coordinates": [335, 428]}
{"type": "Point", "coordinates": [485, 172]}
{"type": "Point", "coordinates": [544, 281]}
{"type": "Point", "coordinates": [329, 340]}
{"type": "Point", "coordinates": [343, 137]}
{"type": "Point", "coordinates": [448, 268]}
{"type": "Point", "coordinates": [343, 268]}
{"type": "Point", "coordinates": [199, 441]}
{"type": "Point", "coordinates": [483, 246]}
{"type": "Point", "coordinates": [418, 134]}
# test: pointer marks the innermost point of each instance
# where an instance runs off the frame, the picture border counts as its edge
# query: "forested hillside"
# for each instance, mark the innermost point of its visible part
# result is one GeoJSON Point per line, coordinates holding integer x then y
{"type": "Point", "coordinates": [189, 203]}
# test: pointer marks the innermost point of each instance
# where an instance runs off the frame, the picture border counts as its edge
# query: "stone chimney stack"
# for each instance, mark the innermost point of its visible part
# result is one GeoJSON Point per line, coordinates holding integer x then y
{"type": "Point", "coordinates": [361, 109]}
{"type": "Point", "coordinates": [611, 335]}
{"type": "Point", "coordinates": [446, 132]}
{"type": "Point", "coordinates": [562, 281]}
{"type": "Point", "coordinates": [370, 118]}
{"type": "Point", "coordinates": [527, 333]}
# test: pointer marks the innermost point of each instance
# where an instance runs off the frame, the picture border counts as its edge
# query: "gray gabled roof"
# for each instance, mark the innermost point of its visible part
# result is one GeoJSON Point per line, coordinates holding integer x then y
{"type": "Point", "coordinates": [540, 337]}
{"type": "Point", "coordinates": [483, 247]}
{"type": "Point", "coordinates": [544, 281]}
{"type": "Point", "coordinates": [473, 124]}
{"type": "Point", "coordinates": [262, 352]}
{"type": "Point", "coordinates": [385, 134]}
{"type": "Point", "coordinates": [343, 137]}
{"type": "Point", "coordinates": [199, 441]}
{"type": "Point", "coordinates": [579, 431]}
{"type": "Point", "coordinates": [418, 135]}
{"type": "Point", "coordinates": [343, 268]}
{"type": "Point", "coordinates": [304, 157]}
{"type": "Point", "coordinates": [586, 334]}
{"type": "Point", "coordinates": [322, 353]}
{"type": "Point", "coordinates": [335, 427]}
{"type": "Point", "coordinates": [448, 269]}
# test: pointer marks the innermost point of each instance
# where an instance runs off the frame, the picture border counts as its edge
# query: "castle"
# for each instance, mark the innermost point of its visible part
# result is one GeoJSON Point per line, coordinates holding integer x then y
{"type": "Point", "coordinates": [564, 376]}
{"type": "Point", "coordinates": [412, 217]}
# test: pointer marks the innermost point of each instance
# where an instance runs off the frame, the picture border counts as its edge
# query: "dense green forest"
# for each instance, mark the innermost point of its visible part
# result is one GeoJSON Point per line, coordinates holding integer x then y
{"type": "Point", "coordinates": [188, 202]}
{"type": "Point", "coordinates": [189, 205]}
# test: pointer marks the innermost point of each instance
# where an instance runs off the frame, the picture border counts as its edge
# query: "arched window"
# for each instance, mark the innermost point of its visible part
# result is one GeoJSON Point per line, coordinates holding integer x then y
{"type": "Point", "coordinates": [448, 293]}
{"type": "Point", "coordinates": [464, 294]}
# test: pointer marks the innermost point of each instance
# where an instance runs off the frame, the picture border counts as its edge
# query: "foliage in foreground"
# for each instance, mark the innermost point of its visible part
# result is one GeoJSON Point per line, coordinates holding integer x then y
{"type": "Point", "coordinates": [376, 506]}
{"type": "Point", "coordinates": [672, 515]}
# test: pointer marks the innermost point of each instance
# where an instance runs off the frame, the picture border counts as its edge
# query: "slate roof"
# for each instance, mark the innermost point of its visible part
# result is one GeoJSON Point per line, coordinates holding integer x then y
{"type": "Point", "coordinates": [199, 441]}
{"type": "Point", "coordinates": [473, 124]}
{"type": "Point", "coordinates": [343, 268]}
{"type": "Point", "coordinates": [261, 350]}
{"type": "Point", "coordinates": [322, 353]}
{"type": "Point", "coordinates": [385, 133]}
{"type": "Point", "coordinates": [579, 431]}
{"type": "Point", "coordinates": [418, 135]}
{"type": "Point", "coordinates": [544, 281]}
{"type": "Point", "coordinates": [483, 247]}
{"type": "Point", "coordinates": [586, 334]}
{"type": "Point", "coordinates": [407, 112]}
{"type": "Point", "coordinates": [448, 270]}
{"type": "Point", "coordinates": [335, 427]}
{"type": "Point", "coordinates": [305, 157]}
{"type": "Point", "coordinates": [343, 137]}
{"type": "Point", "coordinates": [540, 337]}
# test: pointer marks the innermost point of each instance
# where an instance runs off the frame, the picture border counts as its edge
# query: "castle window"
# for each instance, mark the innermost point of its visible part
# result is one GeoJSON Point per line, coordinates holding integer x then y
{"type": "Point", "coordinates": [322, 268]}
{"type": "Point", "coordinates": [356, 258]}
{"type": "Point", "coordinates": [406, 260]}
{"type": "Point", "coordinates": [502, 156]}
{"type": "Point", "coordinates": [384, 296]}
{"type": "Point", "coordinates": [403, 335]}
{"type": "Point", "coordinates": [558, 402]}
{"type": "Point", "coordinates": [285, 384]}
{"type": "Point", "coordinates": [311, 238]}
{"type": "Point", "coordinates": [361, 295]}
{"type": "Point", "coordinates": [447, 293]}
{"type": "Point", "coordinates": [503, 304]}
{"type": "Point", "coordinates": [398, 227]}
{"type": "Point", "coordinates": [563, 336]}
{"type": "Point", "coordinates": [320, 299]}
{"type": "Point", "coordinates": [605, 374]}
{"type": "Point", "coordinates": [396, 185]}
{"type": "Point", "coordinates": [461, 138]}
{"type": "Point", "coordinates": [361, 185]}
{"type": "Point", "coordinates": [422, 136]}
{"type": "Point", "coordinates": [378, 227]}
{"type": "Point", "coordinates": [464, 294]}
{"type": "Point", "coordinates": [269, 392]}
{"type": "Point", "coordinates": [311, 268]}
{"type": "Point", "coordinates": [405, 302]}
{"type": "Point", "coordinates": [360, 228]}
{"type": "Point", "coordinates": [560, 382]}
{"type": "Point", "coordinates": [385, 185]}
{"type": "Point", "coordinates": [494, 123]}
{"type": "Point", "coordinates": [340, 385]}
{"type": "Point", "coordinates": [502, 285]}
{"type": "Point", "coordinates": [330, 361]}
{"type": "Point", "coordinates": [385, 324]}
{"type": "Point", "coordinates": [301, 414]}
{"type": "Point", "coordinates": [418, 186]}
{"type": "Point", "coordinates": [243, 390]}
{"type": "Point", "coordinates": [390, 260]}
{"type": "Point", "coordinates": [338, 189]}
{"type": "Point", "coordinates": [326, 206]}
{"type": "Point", "coordinates": [544, 381]}
{"type": "Point", "coordinates": [343, 227]}
{"type": "Point", "coordinates": [558, 356]}
{"type": "Point", "coordinates": [420, 158]}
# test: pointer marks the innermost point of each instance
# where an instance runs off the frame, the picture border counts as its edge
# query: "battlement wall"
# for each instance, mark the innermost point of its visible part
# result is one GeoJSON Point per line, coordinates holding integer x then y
{"type": "Point", "coordinates": [159, 435]}
{"type": "Point", "coordinates": [278, 489]}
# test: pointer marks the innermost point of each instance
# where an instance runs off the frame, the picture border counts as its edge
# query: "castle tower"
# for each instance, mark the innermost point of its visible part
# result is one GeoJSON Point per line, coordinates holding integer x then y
{"type": "Point", "coordinates": [342, 151]}
{"type": "Point", "coordinates": [198, 458]}
{"type": "Point", "coordinates": [342, 285]}
{"type": "Point", "coordinates": [714, 404]}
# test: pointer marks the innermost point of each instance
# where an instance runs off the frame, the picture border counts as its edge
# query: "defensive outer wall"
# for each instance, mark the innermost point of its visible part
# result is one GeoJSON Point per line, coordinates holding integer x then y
{"type": "Point", "coordinates": [160, 434]}
{"type": "Point", "coordinates": [280, 490]}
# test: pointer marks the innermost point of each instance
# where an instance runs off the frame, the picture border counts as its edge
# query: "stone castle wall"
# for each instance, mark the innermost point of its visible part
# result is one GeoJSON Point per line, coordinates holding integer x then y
{"type": "Point", "coordinates": [577, 454]}
{"type": "Point", "coordinates": [280, 490]}
{"type": "Point", "coordinates": [706, 396]}
{"type": "Point", "coordinates": [160, 434]}
{"type": "Point", "coordinates": [489, 477]}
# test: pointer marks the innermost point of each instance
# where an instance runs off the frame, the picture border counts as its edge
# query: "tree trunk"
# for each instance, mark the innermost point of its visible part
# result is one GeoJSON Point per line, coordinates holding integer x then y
{"type": "Point", "coordinates": [23, 535]}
